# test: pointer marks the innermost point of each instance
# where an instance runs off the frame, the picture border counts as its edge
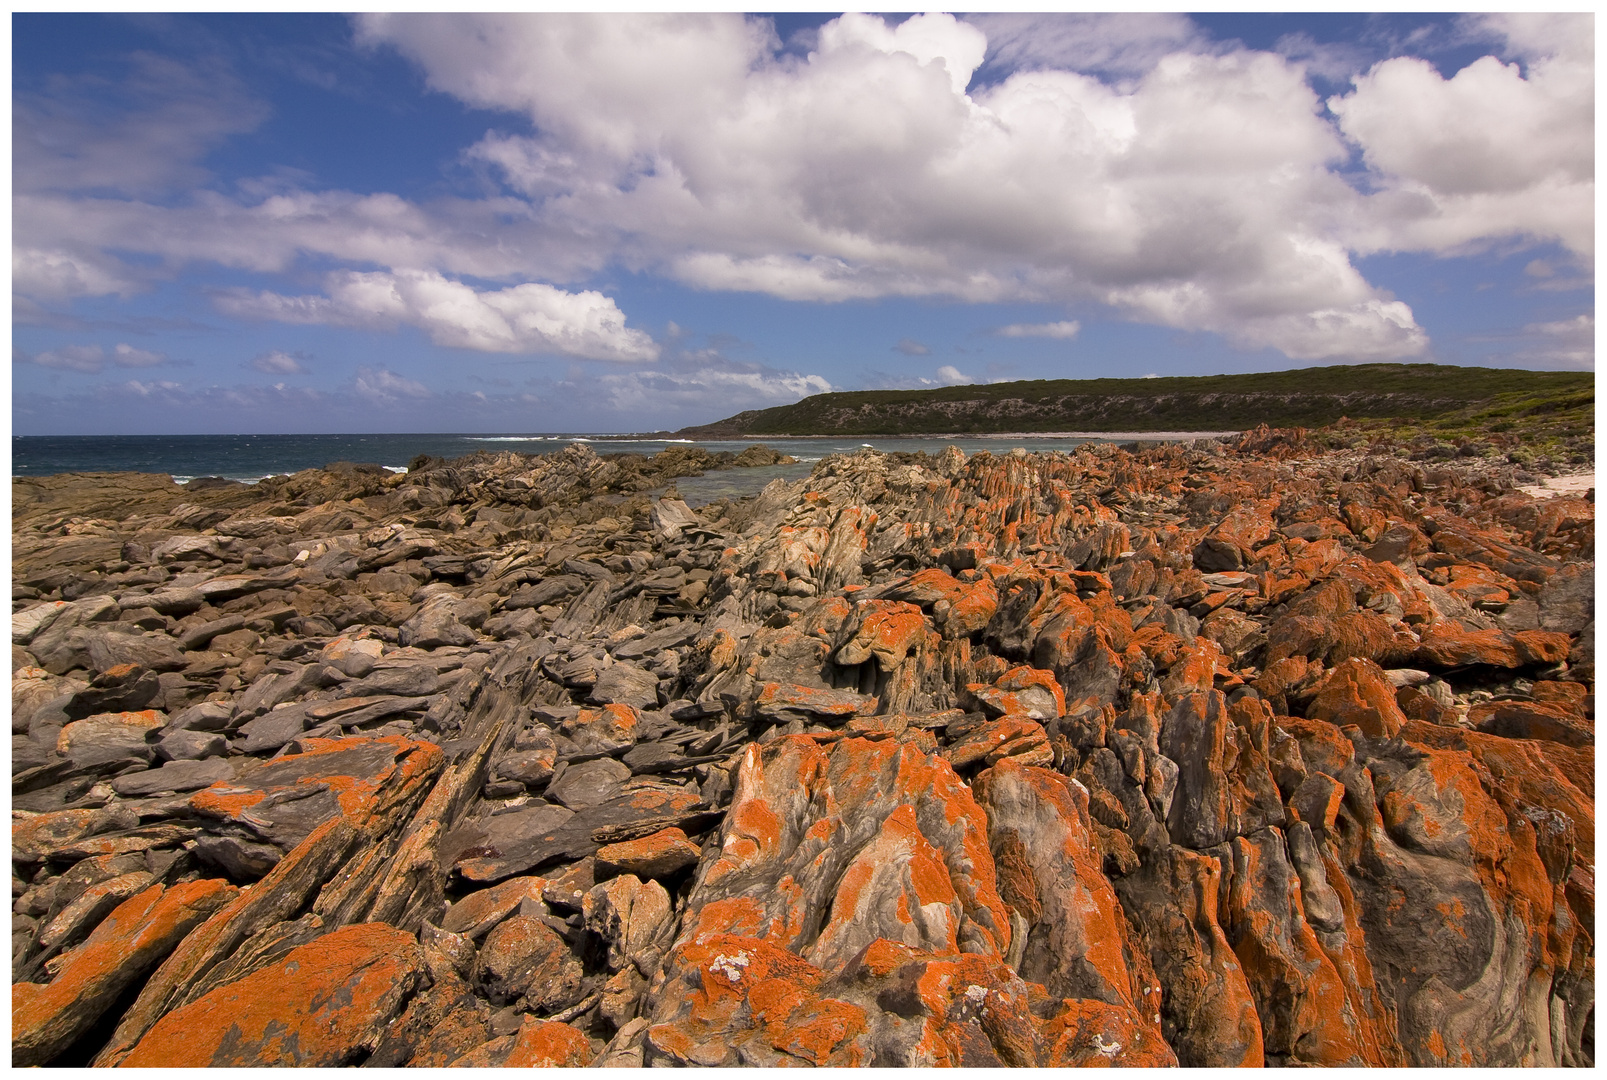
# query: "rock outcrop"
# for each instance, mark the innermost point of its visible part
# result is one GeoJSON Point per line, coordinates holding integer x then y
{"type": "Point", "coordinates": [1209, 754]}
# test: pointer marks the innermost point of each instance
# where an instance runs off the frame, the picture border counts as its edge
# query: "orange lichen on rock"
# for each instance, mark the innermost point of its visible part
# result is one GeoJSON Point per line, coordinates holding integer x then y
{"type": "Point", "coordinates": [324, 1004]}
{"type": "Point", "coordinates": [135, 937]}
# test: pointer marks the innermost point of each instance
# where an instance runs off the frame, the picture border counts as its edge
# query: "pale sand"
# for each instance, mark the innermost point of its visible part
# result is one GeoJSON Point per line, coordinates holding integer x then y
{"type": "Point", "coordinates": [1552, 486]}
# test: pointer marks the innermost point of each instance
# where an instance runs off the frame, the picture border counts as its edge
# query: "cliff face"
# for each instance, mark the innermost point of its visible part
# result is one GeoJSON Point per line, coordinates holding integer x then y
{"type": "Point", "coordinates": [1217, 754]}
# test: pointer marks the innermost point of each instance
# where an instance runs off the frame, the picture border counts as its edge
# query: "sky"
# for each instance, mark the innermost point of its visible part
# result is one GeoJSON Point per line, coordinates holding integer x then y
{"type": "Point", "coordinates": [613, 223]}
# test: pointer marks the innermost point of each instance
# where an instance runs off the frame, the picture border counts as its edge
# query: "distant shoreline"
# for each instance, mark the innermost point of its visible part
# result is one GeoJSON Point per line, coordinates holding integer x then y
{"type": "Point", "coordinates": [1112, 436]}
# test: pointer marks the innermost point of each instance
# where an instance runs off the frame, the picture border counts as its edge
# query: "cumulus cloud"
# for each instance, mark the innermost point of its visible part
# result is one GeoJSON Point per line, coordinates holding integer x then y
{"type": "Point", "coordinates": [911, 347]}
{"type": "Point", "coordinates": [528, 318]}
{"type": "Point", "coordinates": [1063, 330]}
{"type": "Point", "coordinates": [949, 375]}
{"type": "Point", "coordinates": [91, 359]}
{"type": "Point", "coordinates": [1494, 152]}
{"type": "Point", "coordinates": [277, 363]}
{"type": "Point", "coordinates": [1203, 187]}
{"type": "Point", "coordinates": [1202, 194]}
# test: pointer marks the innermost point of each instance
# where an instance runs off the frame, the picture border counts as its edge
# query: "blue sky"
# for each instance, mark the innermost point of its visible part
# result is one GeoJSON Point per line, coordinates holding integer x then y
{"type": "Point", "coordinates": [523, 223]}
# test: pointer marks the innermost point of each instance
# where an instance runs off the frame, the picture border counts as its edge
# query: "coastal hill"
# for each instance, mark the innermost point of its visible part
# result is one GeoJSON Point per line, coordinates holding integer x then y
{"type": "Point", "coordinates": [1308, 397]}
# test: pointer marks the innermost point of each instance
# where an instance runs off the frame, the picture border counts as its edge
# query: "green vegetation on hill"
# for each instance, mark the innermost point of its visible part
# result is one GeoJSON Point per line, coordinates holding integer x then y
{"type": "Point", "coordinates": [1476, 399]}
{"type": "Point", "coordinates": [1548, 430]}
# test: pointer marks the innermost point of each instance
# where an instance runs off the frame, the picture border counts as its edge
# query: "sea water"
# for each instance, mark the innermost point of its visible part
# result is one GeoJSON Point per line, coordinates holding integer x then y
{"type": "Point", "coordinates": [252, 457]}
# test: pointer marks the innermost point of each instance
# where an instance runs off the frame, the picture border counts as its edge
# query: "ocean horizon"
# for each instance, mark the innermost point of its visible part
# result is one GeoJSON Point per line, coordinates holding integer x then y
{"type": "Point", "coordinates": [253, 457]}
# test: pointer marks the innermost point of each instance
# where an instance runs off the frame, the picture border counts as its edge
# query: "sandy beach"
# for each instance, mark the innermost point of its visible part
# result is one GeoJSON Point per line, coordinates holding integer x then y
{"type": "Point", "coordinates": [1552, 486]}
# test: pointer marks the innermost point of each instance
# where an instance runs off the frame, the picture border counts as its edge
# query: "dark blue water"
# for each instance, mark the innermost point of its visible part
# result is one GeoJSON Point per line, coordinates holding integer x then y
{"type": "Point", "coordinates": [252, 457]}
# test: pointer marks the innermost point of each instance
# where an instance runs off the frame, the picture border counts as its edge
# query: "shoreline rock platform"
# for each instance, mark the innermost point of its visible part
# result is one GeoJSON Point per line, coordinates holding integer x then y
{"type": "Point", "coordinates": [1228, 752]}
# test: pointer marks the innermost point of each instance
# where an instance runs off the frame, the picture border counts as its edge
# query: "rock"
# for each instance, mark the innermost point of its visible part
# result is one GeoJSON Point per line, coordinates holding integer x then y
{"type": "Point", "coordinates": [659, 855]}
{"type": "Point", "coordinates": [85, 912]}
{"type": "Point", "coordinates": [174, 776]}
{"type": "Point", "coordinates": [628, 685]}
{"type": "Point", "coordinates": [477, 913]}
{"type": "Point", "coordinates": [1358, 692]}
{"type": "Point", "coordinates": [628, 914]}
{"type": "Point", "coordinates": [609, 730]}
{"type": "Point", "coordinates": [354, 656]}
{"type": "Point", "coordinates": [888, 630]}
{"type": "Point", "coordinates": [324, 1005]}
{"type": "Point", "coordinates": [1222, 704]}
{"type": "Point", "coordinates": [523, 958]}
{"type": "Point", "coordinates": [782, 703]}
{"type": "Point", "coordinates": [414, 680]}
{"type": "Point", "coordinates": [671, 517]}
{"type": "Point", "coordinates": [183, 745]}
{"type": "Point", "coordinates": [127, 944]}
{"type": "Point", "coordinates": [110, 737]}
{"type": "Point", "coordinates": [271, 730]}
{"type": "Point", "coordinates": [438, 622]}
{"type": "Point", "coordinates": [545, 1045]}
{"type": "Point", "coordinates": [589, 783]}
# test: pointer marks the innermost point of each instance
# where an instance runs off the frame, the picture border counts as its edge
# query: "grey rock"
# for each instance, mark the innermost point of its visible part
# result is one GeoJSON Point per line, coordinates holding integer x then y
{"type": "Point", "coordinates": [551, 590]}
{"type": "Point", "coordinates": [1568, 599]}
{"type": "Point", "coordinates": [170, 601]}
{"type": "Point", "coordinates": [589, 784]}
{"type": "Point", "coordinates": [243, 860]}
{"type": "Point", "coordinates": [204, 716]}
{"type": "Point", "coordinates": [185, 745]}
{"type": "Point", "coordinates": [174, 776]}
{"type": "Point", "coordinates": [671, 517]}
{"type": "Point", "coordinates": [437, 623]}
{"type": "Point", "coordinates": [626, 684]}
{"type": "Point", "coordinates": [271, 730]}
{"type": "Point", "coordinates": [415, 680]}
{"type": "Point", "coordinates": [672, 636]}
{"type": "Point", "coordinates": [197, 637]}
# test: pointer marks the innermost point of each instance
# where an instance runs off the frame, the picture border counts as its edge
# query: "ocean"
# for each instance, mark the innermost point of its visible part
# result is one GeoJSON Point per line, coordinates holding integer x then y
{"type": "Point", "coordinates": [252, 457]}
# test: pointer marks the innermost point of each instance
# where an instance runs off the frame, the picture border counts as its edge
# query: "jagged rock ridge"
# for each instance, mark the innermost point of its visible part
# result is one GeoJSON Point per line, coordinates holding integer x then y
{"type": "Point", "coordinates": [1213, 754]}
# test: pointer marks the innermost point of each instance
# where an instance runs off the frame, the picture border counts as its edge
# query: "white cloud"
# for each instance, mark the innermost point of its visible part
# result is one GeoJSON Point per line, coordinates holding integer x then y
{"type": "Point", "coordinates": [949, 375]}
{"type": "Point", "coordinates": [697, 380]}
{"type": "Point", "coordinates": [277, 363]}
{"type": "Point", "coordinates": [529, 318]}
{"type": "Point", "coordinates": [62, 274]}
{"type": "Point", "coordinates": [1063, 330]}
{"type": "Point", "coordinates": [385, 387]}
{"type": "Point", "coordinates": [1493, 152]}
{"type": "Point", "coordinates": [865, 169]}
{"type": "Point", "coordinates": [128, 356]}
{"type": "Point", "coordinates": [91, 359]}
{"type": "Point", "coordinates": [1204, 191]}
{"type": "Point", "coordinates": [911, 347]}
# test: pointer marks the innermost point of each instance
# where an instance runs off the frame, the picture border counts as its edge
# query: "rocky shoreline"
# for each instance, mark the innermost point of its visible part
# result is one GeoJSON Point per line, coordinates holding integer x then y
{"type": "Point", "coordinates": [1232, 752]}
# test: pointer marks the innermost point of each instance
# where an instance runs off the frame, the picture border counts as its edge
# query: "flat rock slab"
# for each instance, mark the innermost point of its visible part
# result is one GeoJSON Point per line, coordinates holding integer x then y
{"type": "Point", "coordinates": [589, 783]}
{"type": "Point", "coordinates": [174, 776]}
{"type": "Point", "coordinates": [574, 838]}
{"type": "Point", "coordinates": [324, 1004]}
{"type": "Point", "coordinates": [659, 855]}
{"type": "Point", "coordinates": [626, 684]}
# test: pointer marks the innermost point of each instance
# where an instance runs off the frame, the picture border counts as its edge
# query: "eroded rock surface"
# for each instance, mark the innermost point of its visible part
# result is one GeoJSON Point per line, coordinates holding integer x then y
{"type": "Point", "coordinates": [1212, 754]}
